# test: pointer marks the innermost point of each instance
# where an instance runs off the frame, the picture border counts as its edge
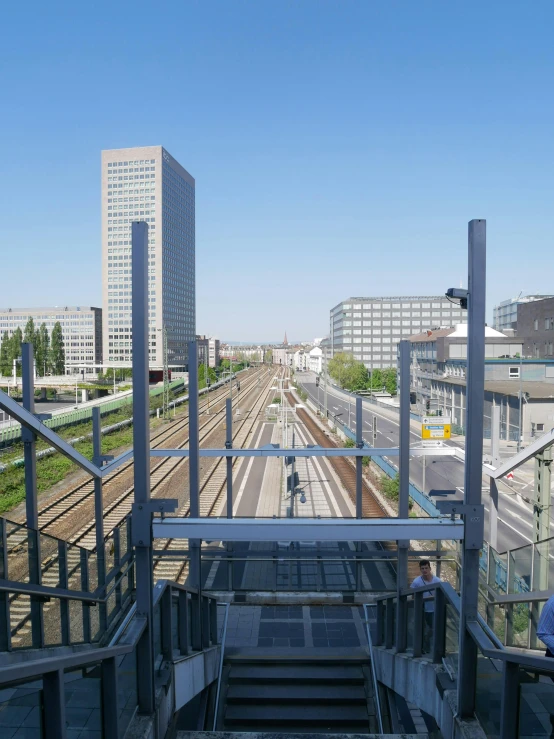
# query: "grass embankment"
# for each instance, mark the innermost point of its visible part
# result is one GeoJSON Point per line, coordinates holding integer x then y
{"type": "Point", "coordinates": [53, 469]}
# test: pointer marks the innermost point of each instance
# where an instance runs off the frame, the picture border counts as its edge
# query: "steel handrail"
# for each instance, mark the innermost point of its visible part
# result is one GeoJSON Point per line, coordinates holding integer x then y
{"type": "Point", "coordinates": [373, 673]}
{"type": "Point", "coordinates": [222, 647]}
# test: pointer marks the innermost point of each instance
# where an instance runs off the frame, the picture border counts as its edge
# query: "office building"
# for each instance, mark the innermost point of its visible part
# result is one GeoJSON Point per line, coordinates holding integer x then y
{"type": "Point", "coordinates": [438, 380]}
{"type": "Point", "coordinates": [81, 332]}
{"type": "Point", "coordinates": [505, 314]}
{"type": "Point", "coordinates": [535, 328]}
{"type": "Point", "coordinates": [148, 184]}
{"type": "Point", "coordinates": [213, 351]}
{"type": "Point", "coordinates": [370, 328]}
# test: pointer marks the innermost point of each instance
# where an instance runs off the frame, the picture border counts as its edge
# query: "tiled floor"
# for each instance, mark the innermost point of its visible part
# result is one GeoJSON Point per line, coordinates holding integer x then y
{"type": "Point", "coordinates": [295, 626]}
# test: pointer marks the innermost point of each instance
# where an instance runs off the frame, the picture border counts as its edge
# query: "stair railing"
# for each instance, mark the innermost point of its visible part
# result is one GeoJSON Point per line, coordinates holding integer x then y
{"type": "Point", "coordinates": [372, 662]}
{"type": "Point", "coordinates": [223, 637]}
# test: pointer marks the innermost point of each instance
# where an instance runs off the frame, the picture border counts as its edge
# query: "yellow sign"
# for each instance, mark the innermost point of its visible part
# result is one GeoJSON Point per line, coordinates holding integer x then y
{"type": "Point", "coordinates": [435, 427]}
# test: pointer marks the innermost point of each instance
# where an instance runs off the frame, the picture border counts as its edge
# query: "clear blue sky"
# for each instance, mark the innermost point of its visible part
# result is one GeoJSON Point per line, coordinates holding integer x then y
{"type": "Point", "coordinates": [339, 147]}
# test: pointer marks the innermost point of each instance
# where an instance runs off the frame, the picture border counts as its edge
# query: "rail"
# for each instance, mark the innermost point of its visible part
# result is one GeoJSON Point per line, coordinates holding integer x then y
{"type": "Point", "coordinates": [521, 688]}
{"type": "Point", "coordinates": [223, 638]}
{"type": "Point", "coordinates": [103, 676]}
{"type": "Point", "coordinates": [373, 672]}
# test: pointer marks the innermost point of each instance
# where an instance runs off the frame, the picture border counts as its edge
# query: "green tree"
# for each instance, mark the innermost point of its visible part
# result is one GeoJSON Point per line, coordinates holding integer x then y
{"type": "Point", "coordinates": [268, 356]}
{"type": "Point", "coordinates": [389, 376]}
{"type": "Point", "coordinates": [206, 372]}
{"type": "Point", "coordinates": [5, 368]}
{"type": "Point", "coordinates": [15, 347]}
{"type": "Point", "coordinates": [57, 351]}
{"type": "Point", "coordinates": [42, 350]}
{"type": "Point", "coordinates": [30, 336]}
{"type": "Point", "coordinates": [391, 486]}
{"type": "Point", "coordinates": [349, 372]}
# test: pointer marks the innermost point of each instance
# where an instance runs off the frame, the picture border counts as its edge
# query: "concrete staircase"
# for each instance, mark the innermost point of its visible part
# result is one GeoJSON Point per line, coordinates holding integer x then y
{"type": "Point", "coordinates": [292, 695]}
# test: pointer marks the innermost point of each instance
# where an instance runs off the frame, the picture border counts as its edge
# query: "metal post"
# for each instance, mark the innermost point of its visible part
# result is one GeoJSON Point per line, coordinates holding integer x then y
{"type": "Point", "coordinates": [326, 382]}
{"type": "Point", "coordinates": [141, 446]}
{"type": "Point", "coordinates": [99, 514]}
{"type": "Point", "coordinates": [541, 516]}
{"type": "Point", "coordinates": [509, 709]}
{"type": "Point", "coordinates": [404, 491]}
{"type": "Point", "coordinates": [194, 461]}
{"type": "Point", "coordinates": [53, 696]}
{"type": "Point", "coordinates": [520, 394]}
{"type": "Point", "coordinates": [495, 459]}
{"type": "Point", "coordinates": [229, 462]}
{"type": "Point", "coordinates": [467, 673]}
{"type": "Point", "coordinates": [64, 583]}
{"type": "Point", "coordinates": [31, 504]}
{"type": "Point", "coordinates": [5, 627]}
{"type": "Point", "coordinates": [110, 713]}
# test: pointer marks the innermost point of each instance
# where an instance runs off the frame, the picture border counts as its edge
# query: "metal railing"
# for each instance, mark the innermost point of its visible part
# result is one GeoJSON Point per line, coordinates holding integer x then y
{"type": "Point", "coordinates": [185, 621]}
{"type": "Point", "coordinates": [223, 638]}
{"type": "Point", "coordinates": [399, 630]}
{"type": "Point", "coordinates": [372, 666]}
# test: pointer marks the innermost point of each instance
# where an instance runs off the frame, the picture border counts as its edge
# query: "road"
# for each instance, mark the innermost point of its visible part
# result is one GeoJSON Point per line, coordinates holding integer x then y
{"type": "Point", "coordinates": [515, 527]}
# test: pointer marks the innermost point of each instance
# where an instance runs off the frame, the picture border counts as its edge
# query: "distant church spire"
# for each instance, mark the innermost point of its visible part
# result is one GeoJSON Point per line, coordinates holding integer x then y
{"type": "Point", "coordinates": [285, 342]}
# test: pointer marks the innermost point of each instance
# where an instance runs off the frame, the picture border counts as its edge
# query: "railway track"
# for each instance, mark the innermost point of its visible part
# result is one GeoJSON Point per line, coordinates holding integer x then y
{"type": "Point", "coordinates": [56, 512]}
{"type": "Point", "coordinates": [113, 516]}
{"type": "Point", "coordinates": [212, 490]}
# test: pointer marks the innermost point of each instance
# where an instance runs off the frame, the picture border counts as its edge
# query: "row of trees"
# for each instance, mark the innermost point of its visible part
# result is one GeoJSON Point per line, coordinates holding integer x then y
{"type": "Point", "coordinates": [48, 349]}
{"type": "Point", "coordinates": [353, 375]}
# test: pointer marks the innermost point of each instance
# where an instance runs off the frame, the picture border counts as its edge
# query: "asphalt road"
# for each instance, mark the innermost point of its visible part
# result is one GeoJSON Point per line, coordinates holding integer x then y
{"type": "Point", "coordinates": [515, 527]}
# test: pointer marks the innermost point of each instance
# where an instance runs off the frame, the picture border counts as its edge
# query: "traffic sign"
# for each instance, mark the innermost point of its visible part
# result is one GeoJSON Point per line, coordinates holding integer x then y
{"type": "Point", "coordinates": [510, 476]}
{"type": "Point", "coordinates": [435, 427]}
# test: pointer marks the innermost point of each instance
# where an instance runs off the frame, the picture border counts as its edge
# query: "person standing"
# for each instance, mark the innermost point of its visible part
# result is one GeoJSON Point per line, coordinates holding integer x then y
{"type": "Point", "coordinates": [545, 632]}
{"type": "Point", "coordinates": [426, 577]}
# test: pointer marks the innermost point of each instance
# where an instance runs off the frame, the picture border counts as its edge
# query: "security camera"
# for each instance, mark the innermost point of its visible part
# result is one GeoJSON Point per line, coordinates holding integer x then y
{"type": "Point", "coordinates": [302, 498]}
{"type": "Point", "coordinates": [458, 293]}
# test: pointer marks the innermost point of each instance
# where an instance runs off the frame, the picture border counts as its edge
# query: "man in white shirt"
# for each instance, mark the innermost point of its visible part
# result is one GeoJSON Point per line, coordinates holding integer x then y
{"type": "Point", "coordinates": [426, 577]}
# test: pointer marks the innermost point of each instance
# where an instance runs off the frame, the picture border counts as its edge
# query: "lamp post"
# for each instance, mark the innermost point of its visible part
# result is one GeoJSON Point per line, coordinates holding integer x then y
{"type": "Point", "coordinates": [520, 427]}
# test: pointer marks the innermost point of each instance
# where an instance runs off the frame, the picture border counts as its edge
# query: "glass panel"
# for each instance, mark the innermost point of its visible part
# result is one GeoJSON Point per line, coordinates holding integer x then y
{"type": "Point", "coordinates": [49, 561]}
{"type": "Point", "coordinates": [536, 705]}
{"type": "Point", "coordinates": [76, 621]}
{"type": "Point", "coordinates": [488, 696]}
{"type": "Point", "coordinates": [83, 702]}
{"type": "Point", "coordinates": [18, 552]}
{"type": "Point", "coordinates": [157, 631]}
{"type": "Point", "coordinates": [518, 625]}
{"type": "Point", "coordinates": [452, 629]}
{"type": "Point", "coordinates": [409, 623]}
{"type": "Point", "coordinates": [520, 565]}
{"type": "Point", "coordinates": [21, 711]}
{"type": "Point", "coordinates": [543, 569]}
{"type": "Point", "coordinates": [126, 690]}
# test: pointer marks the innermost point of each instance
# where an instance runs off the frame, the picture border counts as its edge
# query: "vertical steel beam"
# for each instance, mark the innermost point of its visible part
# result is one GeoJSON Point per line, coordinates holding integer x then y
{"type": "Point", "coordinates": [5, 627]}
{"type": "Point", "coordinates": [404, 491]}
{"type": "Point", "coordinates": [85, 588]}
{"type": "Point", "coordinates": [64, 583]}
{"type": "Point", "coordinates": [29, 438]}
{"type": "Point", "coordinates": [31, 504]}
{"type": "Point", "coordinates": [99, 515]}
{"type": "Point", "coordinates": [183, 625]}
{"type": "Point", "coordinates": [53, 696]}
{"type": "Point", "coordinates": [509, 709]}
{"type": "Point", "coordinates": [110, 713]}
{"type": "Point", "coordinates": [141, 446]}
{"type": "Point", "coordinates": [495, 459]}
{"type": "Point", "coordinates": [477, 264]}
{"type": "Point", "coordinates": [229, 463]}
{"type": "Point", "coordinates": [194, 462]}
{"type": "Point", "coordinates": [229, 460]}
{"type": "Point", "coordinates": [359, 469]}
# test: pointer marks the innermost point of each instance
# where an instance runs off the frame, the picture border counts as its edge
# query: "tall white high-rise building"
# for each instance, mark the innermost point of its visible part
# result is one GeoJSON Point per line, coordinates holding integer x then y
{"type": "Point", "coordinates": [148, 184]}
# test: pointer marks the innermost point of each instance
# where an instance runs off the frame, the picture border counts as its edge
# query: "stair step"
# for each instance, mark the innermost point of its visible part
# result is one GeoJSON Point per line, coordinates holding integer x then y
{"type": "Point", "coordinates": [345, 694]}
{"type": "Point", "coordinates": [349, 674]}
{"type": "Point", "coordinates": [315, 715]}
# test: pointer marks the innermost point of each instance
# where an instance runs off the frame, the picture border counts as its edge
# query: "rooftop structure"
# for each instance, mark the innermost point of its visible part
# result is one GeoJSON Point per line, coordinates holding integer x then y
{"type": "Point", "coordinates": [505, 314]}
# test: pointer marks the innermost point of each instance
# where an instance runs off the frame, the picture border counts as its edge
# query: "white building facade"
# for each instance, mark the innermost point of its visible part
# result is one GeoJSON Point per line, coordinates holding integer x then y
{"type": "Point", "coordinates": [148, 184]}
{"type": "Point", "coordinates": [315, 360]}
{"type": "Point", "coordinates": [81, 332]}
{"type": "Point", "coordinates": [370, 328]}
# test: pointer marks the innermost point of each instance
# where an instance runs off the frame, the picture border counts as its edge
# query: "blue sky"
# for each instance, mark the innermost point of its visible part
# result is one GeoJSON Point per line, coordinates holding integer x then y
{"type": "Point", "coordinates": [339, 147]}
